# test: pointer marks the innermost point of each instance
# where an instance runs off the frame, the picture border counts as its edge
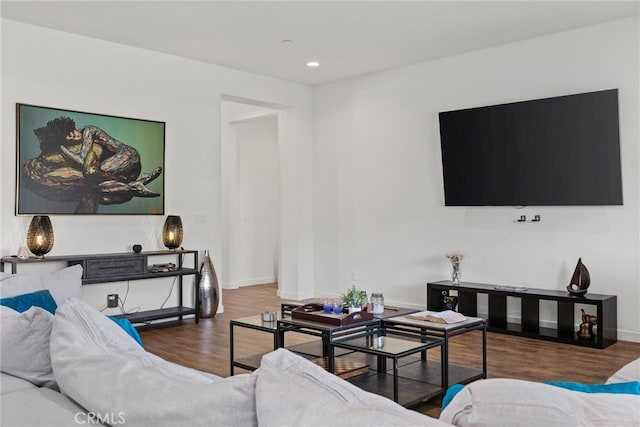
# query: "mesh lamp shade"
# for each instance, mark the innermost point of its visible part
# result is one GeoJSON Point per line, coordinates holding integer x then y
{"type": "Point", "coordinates": [40, 236]}
{"type": "Point", "coordinates": [172, 232]}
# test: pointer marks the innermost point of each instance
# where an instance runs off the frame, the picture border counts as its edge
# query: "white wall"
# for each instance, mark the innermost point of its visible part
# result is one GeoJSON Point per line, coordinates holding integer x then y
{"type": "Point", "coordinates": [49, 68]}
{"type": "Point", "coordinates": [379, 205]}
{"type": "Point", "coordinates": [366, 203]}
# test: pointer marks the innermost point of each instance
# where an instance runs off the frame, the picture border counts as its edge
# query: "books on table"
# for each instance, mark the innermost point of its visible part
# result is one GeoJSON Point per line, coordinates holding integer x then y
{"type": "Point", "coordinates": [446, 316]}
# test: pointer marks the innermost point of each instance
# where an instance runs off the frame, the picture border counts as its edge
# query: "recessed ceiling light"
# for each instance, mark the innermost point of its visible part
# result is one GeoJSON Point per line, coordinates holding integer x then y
{"type": "Point", "coordinates": [287, 41]}
{"type": "Point", "coordinates": [313, 64]}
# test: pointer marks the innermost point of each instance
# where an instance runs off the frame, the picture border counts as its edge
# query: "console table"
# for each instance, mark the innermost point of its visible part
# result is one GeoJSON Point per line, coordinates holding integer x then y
{"type": "Point", "coordinates": [118, 267]}
{"type": "Point", "coordinates": [605, 307]}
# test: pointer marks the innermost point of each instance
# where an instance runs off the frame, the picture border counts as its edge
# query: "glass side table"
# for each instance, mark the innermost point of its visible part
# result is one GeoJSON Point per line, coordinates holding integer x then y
{"type": "Point", "coordinates": [452, 374]}
{"type": "Point", "coordinates": [251, 362]}
{"type": "Point", "coordinates": [405, 391]}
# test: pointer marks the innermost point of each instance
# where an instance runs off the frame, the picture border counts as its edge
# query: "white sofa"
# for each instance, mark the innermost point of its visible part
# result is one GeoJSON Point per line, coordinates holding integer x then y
{"type": "Point", "coordinates": [104, 376]}
{"type": "Point", "coordinates": [509, 402]}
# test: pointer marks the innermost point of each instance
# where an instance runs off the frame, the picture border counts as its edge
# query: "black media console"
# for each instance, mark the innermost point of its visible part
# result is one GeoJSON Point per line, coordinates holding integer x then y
{"type": "Point", "coordinates": [603, 306]}
{"type": "Point", "coordinates": [117, 267]}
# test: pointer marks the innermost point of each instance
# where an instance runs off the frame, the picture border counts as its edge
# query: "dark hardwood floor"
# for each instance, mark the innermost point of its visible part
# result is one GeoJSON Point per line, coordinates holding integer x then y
{"type": "Point", "coordinates": [205, 346]}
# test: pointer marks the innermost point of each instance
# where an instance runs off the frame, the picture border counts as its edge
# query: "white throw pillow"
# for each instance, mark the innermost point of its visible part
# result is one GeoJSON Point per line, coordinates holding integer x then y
{"type": "Point", "coordinates": [509, 402]}
{"type": "Point", "coordinates": [100, 367]}
{"type": "Point", "coordinates": [62, 284]}
{"type": "Point", "coordinates": [24, 345]}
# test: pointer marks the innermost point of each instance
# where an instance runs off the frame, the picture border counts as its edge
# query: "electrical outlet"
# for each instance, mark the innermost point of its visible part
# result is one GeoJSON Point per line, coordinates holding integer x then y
{"type": "Point", "coordinates": [112, 300]}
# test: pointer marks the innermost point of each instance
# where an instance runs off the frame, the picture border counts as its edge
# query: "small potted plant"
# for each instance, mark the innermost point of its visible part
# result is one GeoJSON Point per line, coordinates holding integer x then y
{"type": "Point", "coordinates": [355, 299]}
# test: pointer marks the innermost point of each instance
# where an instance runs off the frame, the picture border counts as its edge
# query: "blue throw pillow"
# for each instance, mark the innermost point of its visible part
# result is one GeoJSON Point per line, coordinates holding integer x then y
{"type": "Point", "coordinates": [24, 302]}
{"type": "Point", "coordinates": [631, 387]}
{"type": "Point", "coordinates": [127, 326]}
{"type": "Point", "coordinates": [450, 394]}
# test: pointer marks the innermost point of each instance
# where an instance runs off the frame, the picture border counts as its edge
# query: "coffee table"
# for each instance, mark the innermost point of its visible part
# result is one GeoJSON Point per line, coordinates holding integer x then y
{"type": "Point", "coordinates": [389, 345]}
{"type": "Point", "coordinates": [451, 373]}
{"type": "Point", "coordinates": [328, 332]}
{"type": "Point", "coordinates": [343, 367]}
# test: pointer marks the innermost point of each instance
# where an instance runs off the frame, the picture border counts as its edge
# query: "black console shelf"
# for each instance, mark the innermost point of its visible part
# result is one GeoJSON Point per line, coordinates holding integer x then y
{"type": "Point", "coordinates": [529, 326]}
{"type": "Point", "coordinates": [161, 313]}
{"type": "Point", "coordinates": [117, 267]}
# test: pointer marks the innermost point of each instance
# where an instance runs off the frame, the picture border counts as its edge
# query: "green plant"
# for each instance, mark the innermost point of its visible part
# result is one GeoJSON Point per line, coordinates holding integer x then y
{"type": "Point", "coordinates": [354, 297]}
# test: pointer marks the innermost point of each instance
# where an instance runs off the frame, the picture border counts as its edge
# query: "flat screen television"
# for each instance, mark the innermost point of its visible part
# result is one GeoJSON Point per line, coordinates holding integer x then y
{"type": "Point", "coordinates": [546, 152]}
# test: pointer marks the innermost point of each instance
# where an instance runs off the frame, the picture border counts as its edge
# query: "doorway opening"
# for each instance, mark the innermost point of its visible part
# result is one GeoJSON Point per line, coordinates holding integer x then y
{"type": "Point", "coordinates": [250, 192]}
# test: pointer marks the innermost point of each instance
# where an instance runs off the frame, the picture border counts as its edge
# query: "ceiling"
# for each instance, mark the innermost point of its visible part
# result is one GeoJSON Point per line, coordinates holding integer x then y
{"type": "Point", "coordinates": [348, 38]}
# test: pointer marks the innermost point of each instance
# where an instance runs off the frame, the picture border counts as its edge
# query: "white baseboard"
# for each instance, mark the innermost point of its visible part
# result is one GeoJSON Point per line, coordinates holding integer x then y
{"type": "Point", "coordinates": [257, 281]}
{"type": "Point", "coordinates": [289, 296]}
{"type": "Point", "coordinates": [230, 285]}
{"type": "Point", "coordinates": [249, 282]}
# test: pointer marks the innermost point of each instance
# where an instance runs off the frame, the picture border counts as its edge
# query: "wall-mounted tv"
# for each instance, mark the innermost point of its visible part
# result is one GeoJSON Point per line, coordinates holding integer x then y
{"type": "Point", "coordinates": [557, 151]}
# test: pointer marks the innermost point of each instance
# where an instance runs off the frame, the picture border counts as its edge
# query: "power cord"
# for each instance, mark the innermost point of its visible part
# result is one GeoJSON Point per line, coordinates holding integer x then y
{"type": "Point", "coordinates": [170, 292]}
{"type": "Point", "coordinates": [173, 284]}
{"type": "Point", "coordinates": [121, 303]}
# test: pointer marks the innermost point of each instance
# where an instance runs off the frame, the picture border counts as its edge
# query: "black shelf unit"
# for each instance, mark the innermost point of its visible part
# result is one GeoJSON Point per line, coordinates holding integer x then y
{"type": "Point", "coordinates": [529, 326]}
{"type": "Point", "coordinates": [117, 267]}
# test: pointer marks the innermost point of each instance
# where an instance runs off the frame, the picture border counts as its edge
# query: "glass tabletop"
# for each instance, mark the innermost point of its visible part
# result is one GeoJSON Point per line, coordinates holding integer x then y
{"type": "Point", "coordinates": [256, 322]}
{"type": "Point", "coordinates": [404, 320]}
{"type": "Point", "coordinates": [388, 345]}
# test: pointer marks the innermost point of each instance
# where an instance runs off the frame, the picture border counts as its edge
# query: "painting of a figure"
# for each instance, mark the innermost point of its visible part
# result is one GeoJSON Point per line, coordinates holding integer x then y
{"type": "Point", "coordinates": [71, 162]}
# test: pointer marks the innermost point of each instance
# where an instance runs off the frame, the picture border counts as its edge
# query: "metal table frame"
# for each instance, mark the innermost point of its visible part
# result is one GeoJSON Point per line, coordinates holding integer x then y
{"type": "Point", "coordinates": [393, 345]}
{"type": "Point", "coordinates": [255, 323]}
{"type": "Point", "coordinates": [328, 332]}
{"type": "Point", "coordinates": [444, 331]}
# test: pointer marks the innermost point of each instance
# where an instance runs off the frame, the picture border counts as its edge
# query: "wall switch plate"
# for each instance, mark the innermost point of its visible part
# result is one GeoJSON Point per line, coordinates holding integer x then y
{"type": "Point", "coordinates": [112, 300]}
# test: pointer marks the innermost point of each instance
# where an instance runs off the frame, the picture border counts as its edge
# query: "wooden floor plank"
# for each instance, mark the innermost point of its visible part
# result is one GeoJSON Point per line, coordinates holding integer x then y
{"type": "Point", "coordinates": [205, 346]}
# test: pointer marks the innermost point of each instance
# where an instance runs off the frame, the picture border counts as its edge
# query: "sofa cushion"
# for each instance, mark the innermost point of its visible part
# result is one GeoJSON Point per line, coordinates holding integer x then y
{"type": "Point", "coordinates": [24, 345]}
{"type": "Point", "coordinates": [20, 303]}
{"type": "Point", "coordinates": [10, 383]}
{"type": "Point", "coordinates": [292, 390]}
{"type": "Point", "coordinates": [40, 407]}
{"type": "Point", "coordinates": [62, 284]}
{"type": "Point", "coordinates": [497, 402]}
{"type": "Point", "coordinates": [99, 366]}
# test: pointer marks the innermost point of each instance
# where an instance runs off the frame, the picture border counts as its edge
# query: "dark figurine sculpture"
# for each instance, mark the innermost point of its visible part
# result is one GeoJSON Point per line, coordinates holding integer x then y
{"type": "Point", "coordinates": [580, 280]}
{"type": "Point", "coordinates": [586, 327]}
{"type": "Point", "coordinates": [449, 302]}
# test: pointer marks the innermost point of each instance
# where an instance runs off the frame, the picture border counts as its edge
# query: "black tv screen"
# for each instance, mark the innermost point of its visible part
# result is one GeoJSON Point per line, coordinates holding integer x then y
{"type": "Point", "coordinates": [554, 151]}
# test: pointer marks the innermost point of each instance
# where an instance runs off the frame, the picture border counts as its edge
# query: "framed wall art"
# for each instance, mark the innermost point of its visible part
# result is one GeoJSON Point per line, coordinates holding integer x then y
{"type": "Point", "coordinates": [70, 162]}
